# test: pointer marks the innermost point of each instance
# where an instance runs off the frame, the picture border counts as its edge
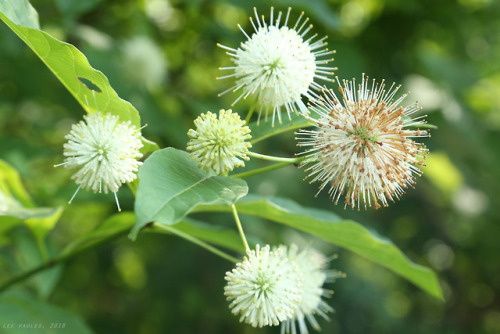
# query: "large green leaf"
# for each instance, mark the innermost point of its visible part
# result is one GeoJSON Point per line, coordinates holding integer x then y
{"type": "Point", "coordinates": [344, 233]}
{"type": "Point", "coordinates": [90, 87]}
{"type": "Point", "coordinates": [171, 185]}
{"type": "Point", "coordinates": [20, 314]}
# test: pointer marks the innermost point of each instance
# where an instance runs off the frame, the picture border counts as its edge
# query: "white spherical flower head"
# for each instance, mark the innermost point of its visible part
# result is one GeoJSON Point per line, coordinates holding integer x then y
{"type": "Point", "coordinates": [105, 152]}
{"type": "Point", "coordinates": [265, 288]}
{"type": "Point", "coordinates": [311, 265]}
{"type": "Point", "coordinates": [219, 143]}
{"type": "Point", "coordinates": [362, 146]}
{"type": "Point", "coordinates": [278, 65]}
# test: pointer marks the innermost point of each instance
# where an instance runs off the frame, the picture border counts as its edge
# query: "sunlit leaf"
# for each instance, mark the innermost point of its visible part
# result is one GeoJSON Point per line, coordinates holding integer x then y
{"type": "Point", "coordinates": [40, 226]}
{"type": "Point", "coordinates": [11, 185]}
{"type": "Point", "coordinates": [16, 206]}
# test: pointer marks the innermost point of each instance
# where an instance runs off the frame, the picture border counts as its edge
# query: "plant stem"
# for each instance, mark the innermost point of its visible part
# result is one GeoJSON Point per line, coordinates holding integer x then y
{"type": "Point", "coordinates": [55, 261]}
{"type": "Point", "coordinates": [271, 158]}
{"type": "Point", "coordinates": [196, 241]}
{"type": "Point", "coordinates": [240, 228]}
{"type": "Point", "coordinates": [266, 169]}
{"type": "Point", "coordinates": [44, 254]}
{"type": "Point", "coordinates": [249, 115]}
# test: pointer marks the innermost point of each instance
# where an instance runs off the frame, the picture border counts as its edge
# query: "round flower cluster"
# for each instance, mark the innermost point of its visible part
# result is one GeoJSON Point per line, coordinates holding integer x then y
{"type": "Point", "coordinates": [362, 145]}
{"type": "Point", "coordinates": [219, 143]}
{"type": "Point", "coordinates": [105, 152]}
{"type": "Point", "coordinates": [278, 65]}
{"type": "Point", "coordinates": [312, 266]}
{"type": "Point", "coordinates": [277, 286]}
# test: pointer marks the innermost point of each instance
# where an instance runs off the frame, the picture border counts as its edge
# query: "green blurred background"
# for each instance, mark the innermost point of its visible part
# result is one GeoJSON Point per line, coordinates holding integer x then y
{"type": "Point", "coordinates": [162, 56]}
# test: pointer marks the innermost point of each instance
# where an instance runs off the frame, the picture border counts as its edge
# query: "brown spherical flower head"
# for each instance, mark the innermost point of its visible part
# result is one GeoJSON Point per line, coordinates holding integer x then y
{"type": "Point", "coordinates": [362, 145]}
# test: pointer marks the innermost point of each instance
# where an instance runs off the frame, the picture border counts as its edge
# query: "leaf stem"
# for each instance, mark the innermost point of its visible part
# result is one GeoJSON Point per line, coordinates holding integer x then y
{"type": "Point", "coordinates": [267, 169]}
{"type": "Point", "coordinates": [42, 249]}
{"type": "Point", "coordinates": [240, 228]}
{"type": "Point", "coordinates": [195, 241]}
{"type": "Point", "coordinates": [249, 115]}
{"type": "Point", "coordinates": [271, 158]}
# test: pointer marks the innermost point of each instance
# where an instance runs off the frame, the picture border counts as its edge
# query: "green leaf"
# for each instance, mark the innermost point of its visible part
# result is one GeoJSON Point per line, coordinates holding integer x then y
{"type": "Point", "coordinates": [10, 207]}
{"type": "Point", "coordinates": [40, 226]}
{"type": "Point", "coordinates": [213, 234]}
{"type": "Point", "coordinates": [265, 130]}
{"type": "Point", "coordinates": [11, 185]}
{"type": "Point", "coordinates": [171, 185]}
{"type": "Point", "coordinates": [20, 314]}
{"type": "Point", "coordinates": [90, 87]}
{"type": "Point", "coordinates": [20, 12]}
{"type": "Point", "coordinates": [344, 233]}
{"type": "Point", "coordinates": [149, 146]}
{"type": "Point", "coordinates": [16, 206]}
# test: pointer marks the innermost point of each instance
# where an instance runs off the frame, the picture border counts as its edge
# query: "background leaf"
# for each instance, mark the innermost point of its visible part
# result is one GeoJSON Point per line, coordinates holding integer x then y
{"type": "Point", "coordinates": [29, 252]}
{"type": "Point", "coordinates": [344, 233]}
{"type": "Point", "coordinates": [73, 8]}
{"type": "Point", "coordinates": [40, 226]}
{"type": "Point", "coordinates": [19, 311]}
{"type": "Point", "coordinates": [171, 185]}
{"type": "Point", "coordinates": [21, 13]}
{"type": "Point", "coordinates": [16, 206]}
{"type": "Point", "coordinates": [265, 129]}
{"type": "Point", "coordinates": [11, 185]}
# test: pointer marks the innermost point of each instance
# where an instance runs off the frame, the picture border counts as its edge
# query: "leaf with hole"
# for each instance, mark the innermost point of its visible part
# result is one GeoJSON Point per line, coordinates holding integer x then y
{"type": "Point", "coordinates": [89, 86]}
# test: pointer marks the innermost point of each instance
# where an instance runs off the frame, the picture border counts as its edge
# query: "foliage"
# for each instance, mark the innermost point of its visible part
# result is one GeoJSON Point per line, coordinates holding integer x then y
{"type": "Point", "coordinates": [161, 56]}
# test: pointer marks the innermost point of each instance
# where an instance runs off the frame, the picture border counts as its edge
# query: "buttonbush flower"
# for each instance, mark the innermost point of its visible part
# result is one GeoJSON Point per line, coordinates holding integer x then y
{"type": "Point", "coordinates": [278, 64]}
{"type": "Point", "coordinates": [264, 289]}
{"type": "Point", "coordinates": [312, 267]}
{"type": "Point", "coordinates": [104, 151]}
{"type": "Point", "coordinates": [362, 145]}
{"type": "Point", "coordinates": [219, 143]}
